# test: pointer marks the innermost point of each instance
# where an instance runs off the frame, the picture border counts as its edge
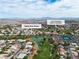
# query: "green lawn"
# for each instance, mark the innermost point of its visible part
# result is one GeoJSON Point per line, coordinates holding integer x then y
{"type": "Point", "coordinates": [26, 57]}
{"type": "Point", "coordinates": [44, 52]}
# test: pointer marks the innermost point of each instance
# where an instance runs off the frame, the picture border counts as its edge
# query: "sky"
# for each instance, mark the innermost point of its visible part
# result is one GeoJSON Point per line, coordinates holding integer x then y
{"type": "Point", "coordinates": [39, 8]}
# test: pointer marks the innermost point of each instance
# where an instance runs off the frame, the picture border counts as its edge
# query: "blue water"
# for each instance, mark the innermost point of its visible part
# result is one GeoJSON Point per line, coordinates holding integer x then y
{"type": "Point", "coordinates": [67, 37]}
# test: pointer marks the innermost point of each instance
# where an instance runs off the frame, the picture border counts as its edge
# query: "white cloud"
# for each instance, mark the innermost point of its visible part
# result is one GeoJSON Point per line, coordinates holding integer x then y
{"type": "Point", "coordinates": [38, 8]}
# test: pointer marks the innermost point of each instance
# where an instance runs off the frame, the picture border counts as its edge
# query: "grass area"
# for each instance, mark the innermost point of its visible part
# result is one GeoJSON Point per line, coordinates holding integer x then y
{"type": "Point", "coordinates": [54, 54]}
{"type": "Point", "coordinates": [26, 57]}
{"type": "Point", "coordinates": [44, 52]}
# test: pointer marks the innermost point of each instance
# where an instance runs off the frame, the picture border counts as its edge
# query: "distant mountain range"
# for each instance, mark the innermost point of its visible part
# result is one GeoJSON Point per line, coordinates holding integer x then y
{"type": "Point", "coordinates": [42, 18]}
{"type": "Point", "coordinates": [35, 20]}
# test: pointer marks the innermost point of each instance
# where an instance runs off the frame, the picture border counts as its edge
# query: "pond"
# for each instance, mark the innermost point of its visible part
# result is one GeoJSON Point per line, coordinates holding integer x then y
{"type": "Point", "coordinates": [67, 37]}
